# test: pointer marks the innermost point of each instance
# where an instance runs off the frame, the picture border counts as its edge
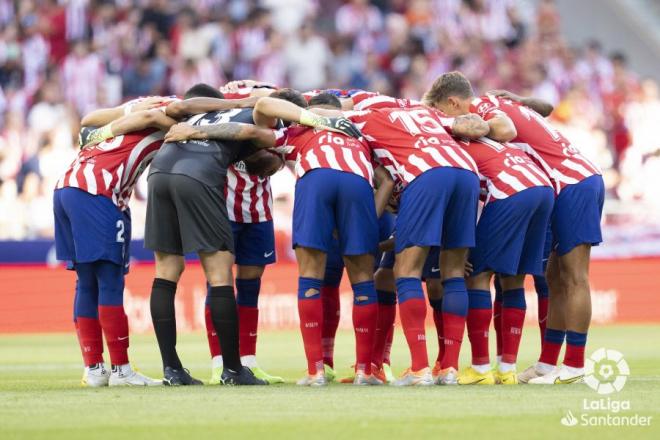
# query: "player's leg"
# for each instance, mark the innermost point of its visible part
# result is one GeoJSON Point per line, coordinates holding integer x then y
{"type": "Point", "coordinates": [576, 228]}
{"type": "Point", "coordinates": [90, 333]}
{"type": "Point", "coordinates": [357, 226]}
{"type": "Point", "coordinates": [497, 318]}
{"type": "Point", "coordinates": [113, 319]}
{"type": "Point", "coordinates": [555, 332]}
{"type": "Point", "coordinates": [434, 291]}
{"type": "Point", "coordinates": [163, 236]}
{"type": "Point", "coordinates": [334, 270]}
{"type": "Point", "coordinates": [478, 326]}
{"type": "Point", "coordinates": [386, 291]}
{"type": "Point", "coordinates": [455, 304]}
{"type": "Point", "coordinates": [313, 226]}
{"type": "Point", "coordinates": [310, 309]}
{"type": "Point", "coordinates": [412, 312]}
{"type": "Point", "coordinates": [431, 275]}
{"type": "Point", "coordinates": [255, 248]}
{"type": "Point", "coordinates": [458, 235]}
{"type": "Point", "coordinates": [514, 308]}
{"type": "Point", "coordinates": [85, 307]}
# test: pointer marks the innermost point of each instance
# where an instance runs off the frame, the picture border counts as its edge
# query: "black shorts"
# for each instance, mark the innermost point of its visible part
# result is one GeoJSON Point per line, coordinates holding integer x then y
{"type": "Point", "coordinates": [185, 215]}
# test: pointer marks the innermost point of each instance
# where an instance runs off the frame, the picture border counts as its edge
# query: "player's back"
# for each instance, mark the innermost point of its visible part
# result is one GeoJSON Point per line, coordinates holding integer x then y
{"type": "Point", "coordinates": [205, 160]}
{"type": "Point", "coordinates": [563, 163]}
{"type": "Point", "coordinates": [409, 141]}
{"type": "Point", "coordinates": [505, 168]}
{"type": "Point", "coordinates": [311, 149]}
{"type": "Point", "coordinates": [111, 168]}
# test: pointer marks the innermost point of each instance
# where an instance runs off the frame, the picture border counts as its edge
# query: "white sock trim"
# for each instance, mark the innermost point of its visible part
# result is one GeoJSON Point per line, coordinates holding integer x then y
{"type": "Point", "coordinates": [216, 362]}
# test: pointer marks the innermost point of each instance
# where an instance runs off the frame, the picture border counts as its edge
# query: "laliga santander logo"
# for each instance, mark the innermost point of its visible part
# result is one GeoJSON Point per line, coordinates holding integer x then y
{"type": "Point", "coordinates": [606, 371]}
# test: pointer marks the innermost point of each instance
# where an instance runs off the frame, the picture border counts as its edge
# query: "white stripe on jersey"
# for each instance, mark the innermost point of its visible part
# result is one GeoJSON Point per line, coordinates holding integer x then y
{"type": "Point", "coordinates": [73, 180]}
{"type": "Point", "coordinates": [245, 203]}
{"type": "Point", "coordinates": [330, 157]}
{"type": "Point", "coordinates": [107, 177]}
{"type": "Point", "coordinates": [313, 161]}
{"type": "Point", "coordinates": [259, 196]}
{"type": "Point", "coordinates": [454, 155]}
{"type": "Point", "coordinates": [540, 174]}
{"type": "Point", "coordinates": [571, 164]}
{"type": "Point", "coordinates": [352, 164]}
{"type": "Point", "coordinates": [231, 194]}
{"type": "Point", "coordinates": [90, 178]}
{"type": "Point", "coordinates": [494, 192]}
{"type": "Point", "coordinates": [549, 170]}
{"type": "Point", "coordinates": [435, 154]}
{"type": "Point", "coordinates": [525, 171]}
{"type": "Point", "coordinates": [135, 154]}
{"type": "Point", "coordinates": [512, 181]}
{"type": "Point", "coordinates": [419, 163]}
{"type": "Point", "coordinates": [370, 168]}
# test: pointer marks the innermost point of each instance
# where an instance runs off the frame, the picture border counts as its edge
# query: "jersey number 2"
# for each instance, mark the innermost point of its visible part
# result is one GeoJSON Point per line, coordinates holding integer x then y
{"type": "Point", "coordinates": [120, 231]}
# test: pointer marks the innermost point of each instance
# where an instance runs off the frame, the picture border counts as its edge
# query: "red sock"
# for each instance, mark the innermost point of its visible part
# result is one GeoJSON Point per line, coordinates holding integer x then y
{"type": "Point", "coordinates": [211, 335]}
{"type": "Point", "coordinates": [115, 328]}
{"type": "Point", "coordinates": [310, 311]}
{"type": "Point", "coordinates": [497, 324]}
{"type": "Point", "coordinates": [437, 320]}
{"type": "Point", "coordinates": [512, 323]}
{"type": "Point", "coordinates": [551, 347]}
{"type": "Point", "coordinates": [453, 327]}
{"type": "Point", "coordinates": [478, 323]}
{"type": "Point", "coordinates": [90, 337]}
{"type": "Point", "coordinates": [543, 315]}
{"type": "Point", "coordinates": [384, 331]}
{"type": "Point", "coordinates": [365, 321]}
{"type": "Point", "coordinates": [413, 315]}
{"type": "Point", "coordinates": [575, 343]}
{"type": "Point", "coordinates": [330, 298]}
{"type": "Point", "coordinates": [248, 321]}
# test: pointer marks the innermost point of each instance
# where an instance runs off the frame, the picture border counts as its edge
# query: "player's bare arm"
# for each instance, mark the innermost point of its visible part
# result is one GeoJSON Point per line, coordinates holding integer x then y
{"type": "Point", "coordinates": [384, 189]}
{"type": "Point", "coordinates": [100, 117]}
{"type": "Point", "coordinates": [154, 118]}
{"type": "Point", "coordinates": [470, 126]}
{"type": "Point", "coordinates": [234, 131]}
{"type": "Point", "coordinates": [268, 109]}
{"type": "Point", "coordinates": [195, 106]}
{"type": "Point", "coordinates": [540, 106]}
{"type": "Point", "coordinates": [502, 128]}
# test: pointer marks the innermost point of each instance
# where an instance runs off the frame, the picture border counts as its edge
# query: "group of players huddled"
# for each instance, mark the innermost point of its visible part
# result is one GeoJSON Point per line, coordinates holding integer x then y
{"type": "Point", "coordinates": [456, 190]}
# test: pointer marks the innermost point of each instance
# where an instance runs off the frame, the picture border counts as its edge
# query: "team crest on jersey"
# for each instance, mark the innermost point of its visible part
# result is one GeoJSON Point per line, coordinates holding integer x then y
{"type": "Point", "coordinates": [240, 166]}
{"type": "Point", "coordinates": [483, 107]}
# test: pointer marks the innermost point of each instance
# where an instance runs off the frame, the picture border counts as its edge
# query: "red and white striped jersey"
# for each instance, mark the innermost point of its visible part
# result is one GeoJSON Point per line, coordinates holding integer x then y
{"type": "Point", "coordinates": [249, 198]}
{"type": "Point", "coordinates": [504, 168]}
{"type": "Point", "coordinates": [311, 149]}
{"type": "Point", "coordinates": [409, 141]}
{"type": "Point", "coordinates": [562, 162]}
{"type": "Point", "coordinates": [112, 168]}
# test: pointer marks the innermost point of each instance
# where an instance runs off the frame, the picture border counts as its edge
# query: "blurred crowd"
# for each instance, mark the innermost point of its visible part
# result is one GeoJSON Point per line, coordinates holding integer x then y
{"type": "Point", "coordinates": [61, 59]}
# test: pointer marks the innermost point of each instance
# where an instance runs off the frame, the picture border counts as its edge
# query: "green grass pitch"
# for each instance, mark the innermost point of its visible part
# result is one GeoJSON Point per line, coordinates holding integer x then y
{"type": "Point", "coordinates": [40, 396]}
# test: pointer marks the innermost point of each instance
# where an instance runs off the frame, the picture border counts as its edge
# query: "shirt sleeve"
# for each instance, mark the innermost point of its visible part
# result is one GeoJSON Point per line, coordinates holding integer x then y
{"type": "Point", "coordinates": [486, 106]}
{"type": "Point", "coordinates": [282, 145]}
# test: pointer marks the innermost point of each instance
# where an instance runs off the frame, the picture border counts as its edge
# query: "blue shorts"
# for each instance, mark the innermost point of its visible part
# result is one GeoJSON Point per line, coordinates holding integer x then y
{"type": "Point", "coordinates": [90, 228]}
{"type": "Point", "coordinates": [254, 243]}
{"type": "Point", "coordinates": [511, 233]}
{"type": "Point", "coordinates": [335, 263]}
{"type": "Point", "coordinates": [439, 208]}
{"type": "Point", "coordinates": [432, 264]}
{"type": "Point", "coordinates": [577, 213]}
{"type": "Point", "coordinates": [327, 200]}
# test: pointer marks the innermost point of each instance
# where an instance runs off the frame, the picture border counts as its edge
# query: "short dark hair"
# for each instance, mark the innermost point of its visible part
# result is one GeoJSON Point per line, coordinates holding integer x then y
{"type": "Point", "coordinates": [327, 99]}
{"type": "Point", "coordinates": [447, 85]}
{"type": "Point", "coordinates": [202, 90]}
{"type": "Point", "coordinates": [290, 95]}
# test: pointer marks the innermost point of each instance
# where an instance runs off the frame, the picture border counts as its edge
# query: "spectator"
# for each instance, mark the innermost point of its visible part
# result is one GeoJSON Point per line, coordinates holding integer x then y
{"type": "Point", "coordinates": [308, 59]}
